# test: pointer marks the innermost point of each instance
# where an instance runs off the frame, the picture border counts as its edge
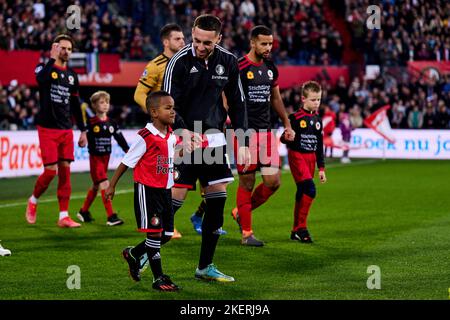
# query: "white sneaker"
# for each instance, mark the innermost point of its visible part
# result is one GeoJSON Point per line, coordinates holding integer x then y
{"type": "Point", "coordinates": [345, 160]}
{"type": "Point", "coordinates": [4, 252]}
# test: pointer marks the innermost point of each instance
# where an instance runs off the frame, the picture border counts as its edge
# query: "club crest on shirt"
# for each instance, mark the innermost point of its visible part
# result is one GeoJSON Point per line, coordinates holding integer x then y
{"type": "Point", "coordinates": [54, 75]}
{"type": "Point", "coordinates": [96, 129]}
{"type": "Point", "coordinates": [154, 221]}
{"type": "Point", "coordinates": [220, 69]}
{"type": "Point", "coordinates": [38, 69]}
{"type": "Point", "coordinates": [71, 80]}
{"type": "Point", "coordinates": [303, 124]}
{"type": "Point", "coordinates": [250, 75]}
{"type": "Point", "coordinates": [318, 125]}
{"type": "Point", "coordinates": [270, 74]}
{"type": "Point", "coordinates": [111, 129]}
{"type": "Point", "coordinates": [176, 174]}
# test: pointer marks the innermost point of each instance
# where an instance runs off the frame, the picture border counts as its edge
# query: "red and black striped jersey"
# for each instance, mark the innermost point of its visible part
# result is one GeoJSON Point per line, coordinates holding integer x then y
{"type": "Point", "coordinates": [152, 157]}
{"type": "Point", "coordinates": [58, 97]}
{"type": "Point", "coordinates": [308, 134]}
{"type": "Point", "coordinates": [258, 79]}
{"type": "Point", "coordinates": [99, 133]}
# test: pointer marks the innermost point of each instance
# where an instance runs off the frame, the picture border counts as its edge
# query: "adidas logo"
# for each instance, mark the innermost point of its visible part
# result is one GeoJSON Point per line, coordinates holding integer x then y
{"type": "Point", "coordinates": [193, 70]}
{"type": "Point", "coordinates": [156, 256]}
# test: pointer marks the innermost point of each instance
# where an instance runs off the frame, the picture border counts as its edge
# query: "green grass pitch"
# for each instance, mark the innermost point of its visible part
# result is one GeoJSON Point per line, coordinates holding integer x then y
{"type": "Point", "coordinates": [393, 214]}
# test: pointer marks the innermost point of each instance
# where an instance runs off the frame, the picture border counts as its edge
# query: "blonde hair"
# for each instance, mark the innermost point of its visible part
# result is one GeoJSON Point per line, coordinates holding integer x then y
{"type": "Point", "coordinates": [310, 86]}
{"type": "Point", "coordinates": [95, 98]}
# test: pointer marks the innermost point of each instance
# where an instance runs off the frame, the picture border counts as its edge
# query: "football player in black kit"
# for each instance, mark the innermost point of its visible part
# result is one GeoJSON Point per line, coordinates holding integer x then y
{"type": "Point", "coordinates": [59, 100]}
{"type": "Point", "coordinates": [99, 133]}
{"type": "Point", "coordinates": [195, 77]}
{"type": "Point", "coordinates": [259, 77]}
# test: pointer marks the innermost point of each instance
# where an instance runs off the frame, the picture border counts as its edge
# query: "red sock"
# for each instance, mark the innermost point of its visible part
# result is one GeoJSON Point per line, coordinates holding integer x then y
{"type": "Point", "coordinates": [303, 211]}
{"type": "Point", "coordinates": [43, 182]}
{"type": "Point", "coordinates": [244, 205]}
{"type": "Point", "coordinates": [107, 204]}
{"type": "Point", "coordinates": [90, 197]}
{"type": "Point", "coordinates": [260, 195]}
{"type": "Point", "coordinates": [64, 187]}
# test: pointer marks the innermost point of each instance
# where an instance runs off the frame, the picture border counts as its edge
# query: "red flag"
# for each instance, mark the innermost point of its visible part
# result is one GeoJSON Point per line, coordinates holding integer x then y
{"type": "Point", "coordinates": [379, 122]}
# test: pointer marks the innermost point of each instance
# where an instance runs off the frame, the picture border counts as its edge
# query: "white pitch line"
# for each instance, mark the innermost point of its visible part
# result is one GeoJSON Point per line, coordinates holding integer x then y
{"type": "Point", "coordinates": [76, 196]}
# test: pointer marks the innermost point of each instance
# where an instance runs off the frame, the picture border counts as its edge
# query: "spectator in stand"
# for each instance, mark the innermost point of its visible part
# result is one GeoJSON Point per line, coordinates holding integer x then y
{"type": "Point", "coordinates": [429, 118]}
{"type": "Point", "coordinates": [442, 116]}
{"type": "Point", "coordinates": [415, 117]}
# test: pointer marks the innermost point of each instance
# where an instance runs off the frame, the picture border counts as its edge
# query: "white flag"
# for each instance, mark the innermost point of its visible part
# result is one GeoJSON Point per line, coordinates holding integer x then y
{"type": "Point", "coordinates": [379, 122]}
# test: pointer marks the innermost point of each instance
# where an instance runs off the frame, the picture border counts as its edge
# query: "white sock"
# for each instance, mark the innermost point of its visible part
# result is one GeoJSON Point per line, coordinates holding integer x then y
{"type": "Point", "coordinates": [33, 199]}
{"type": "Point", "coordinates": [63, 214]}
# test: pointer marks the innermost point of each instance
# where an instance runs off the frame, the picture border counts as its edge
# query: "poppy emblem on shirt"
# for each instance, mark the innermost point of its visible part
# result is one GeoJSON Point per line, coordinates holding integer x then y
{"type": "Point", "coordinates": [96, 129]}
{"type": "Point", "coordinates": [250, 75]}
{"type": "Point", "coordinates": [318, 125]}
{"type": "Point", "coordinates": [54, 75]}
{"type": "Point", "coordinates": [303, 124]}
{"type": "Point", "coordinates": [154, 221]}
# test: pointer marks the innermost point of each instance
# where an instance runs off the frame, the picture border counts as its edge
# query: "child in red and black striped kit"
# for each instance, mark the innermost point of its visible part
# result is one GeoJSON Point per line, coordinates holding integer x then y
{"type": "Point", "coordinates": [152, 157]}
{"type": "Point", "coordinates": [100, 130]}
{"type": "Point", "coordinates": [304, 153]}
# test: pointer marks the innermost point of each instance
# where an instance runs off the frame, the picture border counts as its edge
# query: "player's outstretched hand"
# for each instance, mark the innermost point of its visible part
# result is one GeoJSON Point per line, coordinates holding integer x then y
{"type": "Point", "coordinates": [109, 194]}
{"type": "Point", "coordinates": [322, 176]}
{"type": "Point", "coordinates": [56, 49]}
{"type": "Point", "coordinates": [82, 142]}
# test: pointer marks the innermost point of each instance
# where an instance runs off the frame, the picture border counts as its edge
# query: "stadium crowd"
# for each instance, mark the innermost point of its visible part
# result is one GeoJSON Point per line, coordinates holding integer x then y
{"type": "Point", "coordinates": [412, 30]}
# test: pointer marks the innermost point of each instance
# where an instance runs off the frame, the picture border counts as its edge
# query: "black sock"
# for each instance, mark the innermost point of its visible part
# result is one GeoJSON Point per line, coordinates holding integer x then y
{"type": "Point", "coordinates": [153, 246]}
{"type": "Point", "coordinates": [209, 244]}
{"type": "Point", "coordinates": [138, 251]}
{"type": "Point", "coordinates": [176, 204]}
{"type": "Point", "coordinates": [212, 221]}
{"type": "Point", "coordinates": [201, 209]}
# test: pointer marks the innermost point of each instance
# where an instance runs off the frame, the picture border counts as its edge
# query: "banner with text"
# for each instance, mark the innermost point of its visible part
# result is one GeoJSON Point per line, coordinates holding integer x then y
{"type": "Point", "coordinates": [20, 154]}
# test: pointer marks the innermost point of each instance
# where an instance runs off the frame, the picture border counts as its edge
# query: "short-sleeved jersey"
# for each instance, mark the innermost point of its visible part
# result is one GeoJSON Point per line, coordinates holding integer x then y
{"type": "Point", "coordinates": [58, 96]}
{"type": "Point", "coordinates": [152, 157]}
{"type": "Point", "coordinates": [258, 79]}
{"type": "Point", "coordinates": [99, 133]}
{"type": "Point", "coordinates": [153, 74]}
{"type": "Point", "coordinates": [308, 134]}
